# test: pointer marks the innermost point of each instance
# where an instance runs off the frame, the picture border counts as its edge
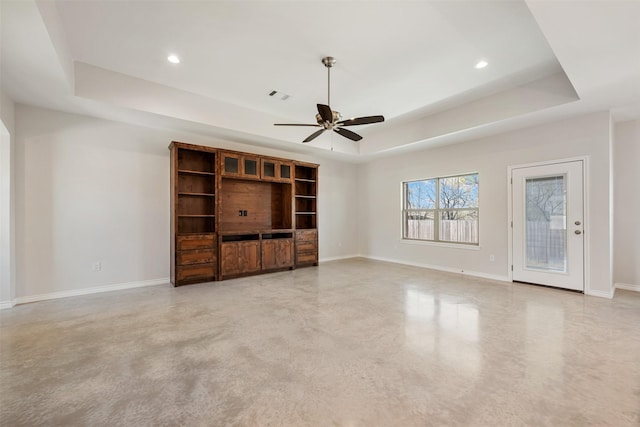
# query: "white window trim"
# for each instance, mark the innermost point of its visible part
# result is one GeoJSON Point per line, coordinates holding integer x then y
{"type": "Point", "coordinates": [463, 245]}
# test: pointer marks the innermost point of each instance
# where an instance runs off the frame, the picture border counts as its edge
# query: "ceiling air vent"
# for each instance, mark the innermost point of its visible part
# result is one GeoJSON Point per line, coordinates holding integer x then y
{"type": "Point", "coordinates": [279, 95]}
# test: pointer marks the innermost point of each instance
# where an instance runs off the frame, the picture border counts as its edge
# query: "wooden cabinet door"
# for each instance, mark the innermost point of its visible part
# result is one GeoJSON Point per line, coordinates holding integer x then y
{"type": "Point", "coordinates": [231, 164]}
{"type": "Point", "coordinates": [284, 254]}
{"type": "Point", "coordinates": [270, 169]}
{"type": "Point", "coordinates": [230, 259]}
{"type": "Point", "coordinates": [250, 167]}
{"type": "Point", "coordinates": [240, 257]}
{"type": "Point", "coordinates": [276, 170]}
{"type": "Point", "coordinates": [277, 253]}
{"type": "Point", "coordinates": [249, 256]}
{"type": "Point", "coordinates": [240, 165]}
{"type": "Point", "coordinates": [285, 171]}
{"type": "Point", "coordinates": [269, 251]}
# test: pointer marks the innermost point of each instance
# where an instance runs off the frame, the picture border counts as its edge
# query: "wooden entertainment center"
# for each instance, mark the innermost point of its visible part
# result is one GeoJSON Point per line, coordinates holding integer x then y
{"type": "Point", "coordinates": [235, 214]}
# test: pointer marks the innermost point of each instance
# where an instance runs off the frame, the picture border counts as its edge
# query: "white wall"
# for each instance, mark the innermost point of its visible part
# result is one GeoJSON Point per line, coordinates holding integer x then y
{"type": "Point", "coordinates": [626, 156]}
{"type": "Point", "coordinates": [337, 204]}
{"type": "Point", "coordinates": [92, 190]}
{"type": "Point", "coordinates": [7, 194]}
{"type": "Point", "coordinates": [95, 190]}
{"type": "Point", "coordinates": [380, 196]}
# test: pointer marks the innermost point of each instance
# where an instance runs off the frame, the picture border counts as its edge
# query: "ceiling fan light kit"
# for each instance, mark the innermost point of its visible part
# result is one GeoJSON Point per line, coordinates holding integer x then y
{"type": "Point", "coordinates": [327, 119]}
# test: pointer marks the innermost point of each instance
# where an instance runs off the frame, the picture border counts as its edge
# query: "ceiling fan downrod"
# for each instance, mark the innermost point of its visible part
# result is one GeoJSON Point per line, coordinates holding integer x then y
{"type": "Point", "coordinates": [329, 62]}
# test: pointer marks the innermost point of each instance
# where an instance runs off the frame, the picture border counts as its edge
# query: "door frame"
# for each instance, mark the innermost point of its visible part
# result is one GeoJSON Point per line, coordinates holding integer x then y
{"type": "Point", "coordinates": [585, 201]}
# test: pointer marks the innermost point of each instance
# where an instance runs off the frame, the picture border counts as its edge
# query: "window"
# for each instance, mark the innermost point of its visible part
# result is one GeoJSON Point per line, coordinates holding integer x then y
{"type": "Point", "coordinates": [441, 209]}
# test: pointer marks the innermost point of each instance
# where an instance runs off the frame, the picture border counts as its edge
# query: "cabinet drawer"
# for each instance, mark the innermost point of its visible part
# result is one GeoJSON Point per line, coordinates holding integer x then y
{"type": "Point", "coordinates": [194, 272]}
{"type": "Point", "coordinates": [196, 257]}
{"type": "Point", "coordinates": [305, 257]}
{"type": "Point", "coordinates": [185, 243]}
{"type": "Point", "coordinates": [306, 235]}
{"type": "Point", "coordinates": [306, 246]}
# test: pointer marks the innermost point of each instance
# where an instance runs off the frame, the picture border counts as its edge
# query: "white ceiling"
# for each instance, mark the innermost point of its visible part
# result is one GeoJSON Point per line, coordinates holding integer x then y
{"type": "Point", "coordinates": [411, 61]}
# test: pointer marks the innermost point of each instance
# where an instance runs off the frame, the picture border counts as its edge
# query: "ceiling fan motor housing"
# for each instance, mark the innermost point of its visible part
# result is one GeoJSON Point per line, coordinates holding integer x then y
{"type": "Point", "coordinates": [336, 117]}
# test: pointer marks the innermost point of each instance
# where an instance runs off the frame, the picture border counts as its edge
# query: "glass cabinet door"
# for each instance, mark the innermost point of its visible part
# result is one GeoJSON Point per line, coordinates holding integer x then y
{"type": "Point", "coordinates": [230, 164]}
{"type": "Point", "coordinates": [268, 169]}
{"type": "Point", "coordinates": [285, 171]}
{"type": "Point", "coordinates": [251, 167]}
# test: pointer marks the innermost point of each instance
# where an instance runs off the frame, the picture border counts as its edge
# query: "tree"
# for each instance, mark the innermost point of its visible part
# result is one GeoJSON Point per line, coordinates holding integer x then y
{"type": "Point", "coordinates": [457, 193]}
{"type": "Point", "coordinates": [421, 195]}
{"type": "Point", "coordinates": [545, 198]}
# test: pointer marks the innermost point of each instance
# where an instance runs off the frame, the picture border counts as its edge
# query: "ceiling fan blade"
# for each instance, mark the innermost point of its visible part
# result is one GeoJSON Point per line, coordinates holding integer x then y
{"type": "Point", "coordinates": [294, 124]}
{"type": "Point", "coordinates": [348, 134]}
{"type": "Point", "coordinates": [314, 135]}
{"type": "Point", "coordinates": [325, 112]}
{"type": "Point", "coordinates": [361, 121]}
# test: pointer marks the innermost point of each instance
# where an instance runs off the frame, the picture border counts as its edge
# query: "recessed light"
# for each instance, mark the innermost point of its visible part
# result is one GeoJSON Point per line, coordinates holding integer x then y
{"type": "Point", "coordinates": [481, 64]}
{"type": "Point", "coordinates": [173, 59]}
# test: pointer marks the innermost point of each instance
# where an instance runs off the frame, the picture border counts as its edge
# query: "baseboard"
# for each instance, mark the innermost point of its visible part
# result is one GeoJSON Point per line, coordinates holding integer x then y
{"type": "Point", "coordinates": [94, 290]}
{"type": "Point", "coordinates": [338, 258]}
{"type": "Point", "coordinates": [478, 274]}
{"type": "Point", "coordinates": [7, 304]}
{"type": "Point", "coordinates": [627, 287]}
{"type": "Point", "coordinates": [601, 294]}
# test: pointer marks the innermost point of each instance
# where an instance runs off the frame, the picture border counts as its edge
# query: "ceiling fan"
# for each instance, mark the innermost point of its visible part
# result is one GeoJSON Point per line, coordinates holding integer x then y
{"type": "Point", "coordinates": [332, 120]}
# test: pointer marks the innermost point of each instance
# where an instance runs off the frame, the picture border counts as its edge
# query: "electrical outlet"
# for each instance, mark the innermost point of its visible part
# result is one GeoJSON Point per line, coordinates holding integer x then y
{"type": "Point", "coordinates": [240, 213]}
{"type": "Point", "coordinates": [244, 213]}
{"type": "Point", "coordinates": [492, 257]}
{"type": "Point", "coordinates": [96, 266]}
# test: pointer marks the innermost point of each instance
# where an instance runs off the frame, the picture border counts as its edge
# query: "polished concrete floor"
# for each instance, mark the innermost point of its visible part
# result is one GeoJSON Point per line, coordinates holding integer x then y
{"type": "Point", "coordinates": [350, 343]}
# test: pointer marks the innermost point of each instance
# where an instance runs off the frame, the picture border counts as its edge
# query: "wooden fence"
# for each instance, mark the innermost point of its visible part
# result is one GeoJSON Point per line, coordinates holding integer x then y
{"type": "Point", "coordinates": [546, 246]}
{"type": "Point", "coordinates": [450, 230]}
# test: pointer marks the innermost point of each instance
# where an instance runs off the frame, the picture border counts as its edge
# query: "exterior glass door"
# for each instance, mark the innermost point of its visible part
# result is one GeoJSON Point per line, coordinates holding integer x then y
{"type": "Point", "coordinates": [548, 229]}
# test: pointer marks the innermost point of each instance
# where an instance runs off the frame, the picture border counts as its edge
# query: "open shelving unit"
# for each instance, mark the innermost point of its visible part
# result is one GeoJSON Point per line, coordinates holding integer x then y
{"type": "Point", "coordinates": [305, 178]}
{"type": "Point", "coordinates": [196, 191]}
{"type": "Point", "coordinates": [305, 209]}
{"type": "Point", "coordinates": [194, 243]}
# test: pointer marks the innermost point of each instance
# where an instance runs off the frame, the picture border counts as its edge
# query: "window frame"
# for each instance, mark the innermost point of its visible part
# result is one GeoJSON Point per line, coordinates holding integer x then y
{"type": "Point", "coordinates": [437, 210]}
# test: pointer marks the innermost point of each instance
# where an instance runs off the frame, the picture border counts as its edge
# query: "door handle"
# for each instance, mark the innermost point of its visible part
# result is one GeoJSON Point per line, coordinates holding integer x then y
{"type": "Point", "coordinates": [578, 232]}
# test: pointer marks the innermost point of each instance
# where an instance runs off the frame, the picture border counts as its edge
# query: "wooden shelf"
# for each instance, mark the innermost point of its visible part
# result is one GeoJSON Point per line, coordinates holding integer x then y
{"type": "Point", "coordinates": [194, 172]}
{"type": "Point", "coordinates": [197, 224]}
{"type": "Point", "coordinates": [184, 193]}
{"type": "Point", "coordinates": [195, 161]}
{"type": "Point", "coordinates": [305, 180]}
